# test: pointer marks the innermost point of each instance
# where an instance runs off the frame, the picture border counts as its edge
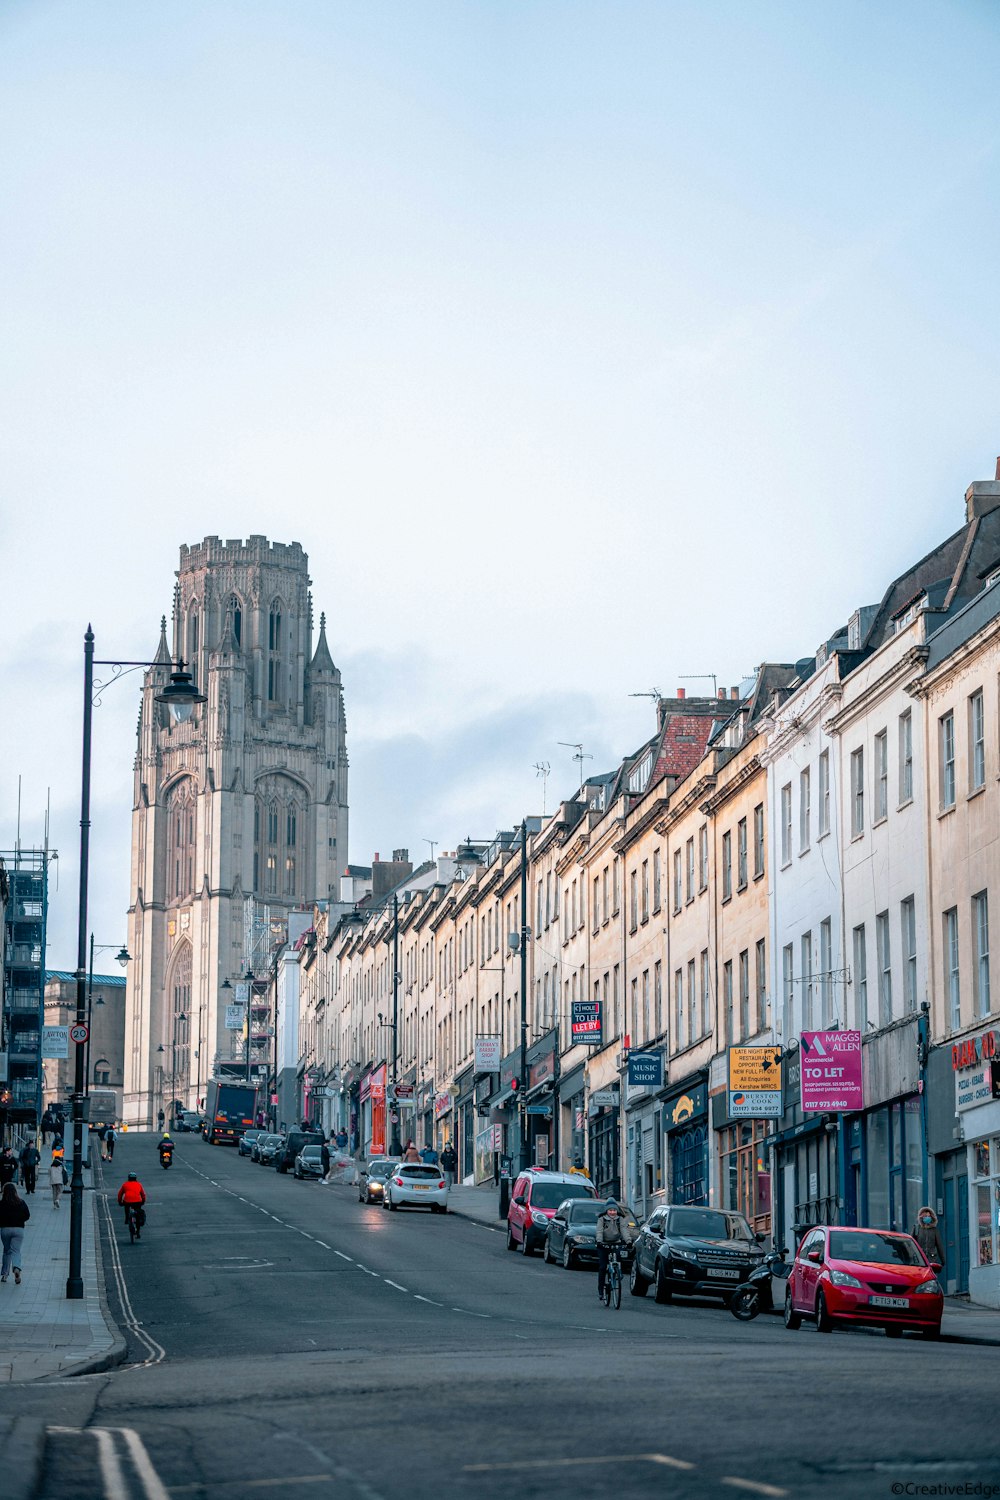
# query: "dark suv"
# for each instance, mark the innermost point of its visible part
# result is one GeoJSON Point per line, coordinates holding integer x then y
{"type": "Point", "coordinates": [698, 1252]}
{"type": "Point", "coordinates": [284, 1158]}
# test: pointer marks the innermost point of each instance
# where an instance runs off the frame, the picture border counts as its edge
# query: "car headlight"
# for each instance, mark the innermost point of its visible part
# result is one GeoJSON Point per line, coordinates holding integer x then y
{"type": "Point", "coordinates": [841, 1278]}
{"type": "Point", "coordinates": [687, 1255]}
{"type": "Point", "coordinates": [931, 1288]}
{"type": "Point", "coordinates": [537, 1217]}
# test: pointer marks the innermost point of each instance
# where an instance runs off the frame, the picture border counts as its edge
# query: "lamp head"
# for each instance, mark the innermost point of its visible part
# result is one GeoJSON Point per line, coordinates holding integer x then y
{"type": "Point", "coordinates": [180, 695]}
{"type": "Point", "coordinates": [123, 956]}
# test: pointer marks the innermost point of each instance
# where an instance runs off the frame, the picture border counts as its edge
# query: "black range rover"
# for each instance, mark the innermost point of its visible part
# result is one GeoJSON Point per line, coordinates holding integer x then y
{"type": "Point", "coordinates": [697, 1252]}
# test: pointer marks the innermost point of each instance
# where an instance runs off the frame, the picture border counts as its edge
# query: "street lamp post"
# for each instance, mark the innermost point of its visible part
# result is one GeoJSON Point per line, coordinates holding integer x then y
{"type": "Point", "coordinates": [248, 981]}
{"type": "Point", "coordinates": [523, 1091]}
{"type": "Point", "coordinates": [180, 696]}
{"type": "Point", "coordinates": [396, 1144]}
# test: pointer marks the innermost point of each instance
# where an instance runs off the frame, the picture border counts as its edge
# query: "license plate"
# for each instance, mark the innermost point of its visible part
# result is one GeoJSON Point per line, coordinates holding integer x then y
{"type": "Point", "coordinates": [733, 1275]}
{"type": "Point", "coordinates": [421, 1187]}
{"type": "Point", "coordinates": [888, 1302]}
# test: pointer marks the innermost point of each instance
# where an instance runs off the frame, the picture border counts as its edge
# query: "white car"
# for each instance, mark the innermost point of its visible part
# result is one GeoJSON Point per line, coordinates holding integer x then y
{"type": "Point", "coordinates": [417, 1185]}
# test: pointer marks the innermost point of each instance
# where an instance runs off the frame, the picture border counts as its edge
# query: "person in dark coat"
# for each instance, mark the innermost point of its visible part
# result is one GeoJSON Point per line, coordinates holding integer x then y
{"type": "Point", "coordinates": [8, 1166]}
{"type": "Point", "coordinates": [927, 1236]}
{"type": "Point", "coordinates": [450, 1163]}
{"type": "Point", "coordinates": [14, 1214]}
{"type": "Point", "coordinates": [324, 1160]}
{"type": "Point", "coordinates": [30, 1157]}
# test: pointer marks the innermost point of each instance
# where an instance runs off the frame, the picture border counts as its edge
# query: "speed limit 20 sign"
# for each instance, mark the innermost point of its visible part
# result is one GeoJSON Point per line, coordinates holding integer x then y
{"type": "Point", "coordinates": [78, 1034]}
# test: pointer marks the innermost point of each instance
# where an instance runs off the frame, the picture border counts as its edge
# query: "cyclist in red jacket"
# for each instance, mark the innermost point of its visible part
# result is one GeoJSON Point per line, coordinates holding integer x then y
{"type": "Point", "coordinates": [131, 1191]}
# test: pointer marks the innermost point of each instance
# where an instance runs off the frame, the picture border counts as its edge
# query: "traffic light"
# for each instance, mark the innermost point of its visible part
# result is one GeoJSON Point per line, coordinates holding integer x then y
{"type": "Point", "coordinates": [515, 1084]}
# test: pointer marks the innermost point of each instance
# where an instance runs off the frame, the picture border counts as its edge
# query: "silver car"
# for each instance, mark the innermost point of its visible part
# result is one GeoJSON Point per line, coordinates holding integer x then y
{"type": "Point", "coordinates": [412, 1184]}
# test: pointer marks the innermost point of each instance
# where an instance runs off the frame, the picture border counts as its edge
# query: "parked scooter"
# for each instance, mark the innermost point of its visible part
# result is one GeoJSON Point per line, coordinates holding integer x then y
{"type": "Point", "coordinates": [764, 1291]}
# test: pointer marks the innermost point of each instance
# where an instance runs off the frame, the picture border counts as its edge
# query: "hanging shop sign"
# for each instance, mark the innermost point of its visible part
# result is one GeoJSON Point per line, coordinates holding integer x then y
{"type": "Point", "coordinates": [645, 1070]}
{"type": "Point", "coordinates": [978, 1085]}
{"type": "Point", "coordinates": [831, 1072]}
{"type": "Point", "coordinates": [55, 1041]}
{"type": "Point", "coordinates": [487, 1054]}
{"type": "Point", "coordinates": [235, 1017]}
{"type": "Point", "coordinates": [586, 1021]}
{"type": "Point", "coordinates": [754, 1083]}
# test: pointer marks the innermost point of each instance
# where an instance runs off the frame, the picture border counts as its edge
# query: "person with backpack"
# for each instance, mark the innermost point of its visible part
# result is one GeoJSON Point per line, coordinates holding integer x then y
{"type": "Point", "coordinates": [30, 1157]}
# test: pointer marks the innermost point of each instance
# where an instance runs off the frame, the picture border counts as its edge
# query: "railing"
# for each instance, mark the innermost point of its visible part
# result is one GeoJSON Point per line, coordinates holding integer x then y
{"type": "Point", "coordinates": [24, 1000]}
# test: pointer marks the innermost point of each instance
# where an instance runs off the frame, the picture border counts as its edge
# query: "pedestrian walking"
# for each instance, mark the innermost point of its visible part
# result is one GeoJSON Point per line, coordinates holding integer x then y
{"type": "Point", "coordinates": [927, 1236]}
{"type": "Point", "coordinates": [429, 1156]}
{"type": "Point", "coordinates": [57, 1179]}
{"type": "Point", "coordinates": [30, 1157]}
{"type": "Point", "coordinates": [411, 1153]}
{"type": "Point", "coordinates": [8, 1166]}
{"type": "Point", "coordinates": [14, 1214]}
{"type": "Point", "coordinates": [324, 1161]}
{"type": "Point", "coordinates": [450, 1163]}
{"type": "Point", "coordinates": [109, 1142]}
{"type": "Point", "coordinates": [160, 1117]}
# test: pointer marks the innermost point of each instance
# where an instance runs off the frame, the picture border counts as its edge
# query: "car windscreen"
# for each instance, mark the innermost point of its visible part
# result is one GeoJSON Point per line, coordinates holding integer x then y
{"type": "Point", "coordinates": [707, 1224]}
{"type": "Point", "coordinates": [311, 1153]}
{"type": "Point", "coordinates": [380, 1169]}
{"type": "Point", "coordinates": [551, 1194]}
{"type": "Point", "coordinates": [584, 1211]}
{"type": "Point", "coordinates": [420, 1173]}
{"type": "Point", "coordinates": [877, 1249]}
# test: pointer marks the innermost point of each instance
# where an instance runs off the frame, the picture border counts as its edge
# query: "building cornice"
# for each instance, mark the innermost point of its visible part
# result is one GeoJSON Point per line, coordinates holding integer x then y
{"type": "Point", "coordinates": [880, 688]}
{"type": "Point", "coordinates": [734, 784]}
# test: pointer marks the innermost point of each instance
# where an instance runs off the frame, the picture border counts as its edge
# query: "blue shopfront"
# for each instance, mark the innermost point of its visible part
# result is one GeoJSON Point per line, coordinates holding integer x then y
{"type": "Point", "coordinates": [684, 1118]}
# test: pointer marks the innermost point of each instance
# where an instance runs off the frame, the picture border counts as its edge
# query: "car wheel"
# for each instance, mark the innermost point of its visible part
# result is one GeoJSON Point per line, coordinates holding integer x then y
{"type": "Point", "coordinates": [793, 1319]}
{"type": "Point", "coordinates": [661, 1291]}
{"type": "Point", "coordinates": [824, 1323]}
{"type": "Point", "coordinates": [567, 1258]}
{"type": "Point", "coordinates": [547, 1255]}
{"type": "Point", "coordinates": [526, 1249]}
{"type": "Point", "coordinates": [893, 1332]}
{"type": "Point", "coordinates": [393, 1207]}
{"type": "Point", "coordinates": [511, 1241]}
{"type": "Point", "coordinates": [637, 1283]}
{"type": "Point", "coordinates": [931, 1333]}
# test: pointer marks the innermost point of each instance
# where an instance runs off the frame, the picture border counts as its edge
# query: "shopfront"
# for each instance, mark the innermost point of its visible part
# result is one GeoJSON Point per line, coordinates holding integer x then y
{"type": "Point", "coordinates": [644, 1168]}
{"type": "Point", "coordinates": [604, 1141]}
{"type": "Point", "coordinates": [541, 1101]}
{"type": "Point", "coordinates": [572, 1119]}
{"type": "Point", "coordinates": [684, 1118]}
{"type": "Point", "coordinates": [975, 1168]}
{"type": "Point", "coordinates": [744, 1170]}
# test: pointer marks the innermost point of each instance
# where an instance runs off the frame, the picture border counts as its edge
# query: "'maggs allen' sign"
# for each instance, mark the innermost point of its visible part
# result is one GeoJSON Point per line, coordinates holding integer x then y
{"type": "Point", "coordinates": [975, 1050]}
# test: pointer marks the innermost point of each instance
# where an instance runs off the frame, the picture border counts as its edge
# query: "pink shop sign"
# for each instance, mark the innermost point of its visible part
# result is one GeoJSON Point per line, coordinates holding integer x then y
{"type": "Point", "coordinates": [831, 1071]}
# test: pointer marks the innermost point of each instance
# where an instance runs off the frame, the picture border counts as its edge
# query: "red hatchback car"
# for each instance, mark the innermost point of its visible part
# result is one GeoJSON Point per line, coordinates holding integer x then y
{"type": "Point", "coordinates": [871, 1276]}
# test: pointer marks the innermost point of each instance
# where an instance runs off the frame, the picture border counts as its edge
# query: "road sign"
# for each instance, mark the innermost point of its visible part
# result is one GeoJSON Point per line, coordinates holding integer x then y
{"type": "Point", "coordinates": [78, 1034]}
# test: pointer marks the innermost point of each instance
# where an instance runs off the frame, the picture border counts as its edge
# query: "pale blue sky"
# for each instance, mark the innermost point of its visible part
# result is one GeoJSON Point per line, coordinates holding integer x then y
{"type": "Point", "coordinates": [581, 345]}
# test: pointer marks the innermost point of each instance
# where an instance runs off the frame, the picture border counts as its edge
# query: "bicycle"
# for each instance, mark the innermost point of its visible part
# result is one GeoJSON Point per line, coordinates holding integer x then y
{"type": "Point", "coordinates": [613, 1278]}
{"type": "Point", "coordinates": [135, 1217]}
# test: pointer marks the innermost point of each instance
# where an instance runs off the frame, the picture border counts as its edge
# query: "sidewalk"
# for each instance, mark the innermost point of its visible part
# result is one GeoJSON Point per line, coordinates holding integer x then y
{"type": "Point", "coordinates": [479, 1203]}
{"type": "Point", "coordinates": [969, 1323]}
{"type": "Point", "coordinates": [41, 1332]}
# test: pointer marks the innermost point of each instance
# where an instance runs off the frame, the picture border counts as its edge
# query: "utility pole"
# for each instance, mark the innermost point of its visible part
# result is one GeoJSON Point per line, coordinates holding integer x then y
{"type": "Point", "coordinates": [523, 1091]}
{"type": "Point", "coordinates": [396, 1145]}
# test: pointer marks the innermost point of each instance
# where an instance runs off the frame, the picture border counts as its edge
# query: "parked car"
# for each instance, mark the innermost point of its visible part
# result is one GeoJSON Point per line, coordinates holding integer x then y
{"type": "Point", "coordinates": [571, 1233]}
{"type": "Point", "coordinates": [416, 1185]}
{"type": "Point", "coordinates": [308, 1163]}
{"type": "Point", "coordinates": [247, 1139]}
{"type": "Point", "coordinates": [266, 1149]}
{"type": "Point", "coordinates": [292, 1145]}
{"type": "Point", "coordinates": [371, 1178]}
{"type": "Point", "coordinates": [536, 1196]}
{"type": "Point", "coordinates": [697, 1252]}
{"type": "Point", "coordinates": [872, 1276]}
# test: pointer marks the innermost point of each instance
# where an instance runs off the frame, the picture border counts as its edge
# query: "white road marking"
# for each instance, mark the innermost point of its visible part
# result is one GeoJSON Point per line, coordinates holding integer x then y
{"type": "Point", "coordinates": [112, 1478]}
{"type": "Point", "coordinates": [323, 1244]}
{"type": "Point", "coordinates": [250, 1484]}
{"type": "Point", "coordinates": [469, 1313]}
{"type": "Point", "coordinates": [429, 1300]}
{"type": "Point", "coordinates": [148, 1476]}
{"type": "Point", "coordinates": [754, 1486]}
{"type": "Point", "coordinates": [344, 1257]}
{"type": "Point", "coordinates": [395, 1284]}
{"type": "Point", "coordinates": [571, 1463]}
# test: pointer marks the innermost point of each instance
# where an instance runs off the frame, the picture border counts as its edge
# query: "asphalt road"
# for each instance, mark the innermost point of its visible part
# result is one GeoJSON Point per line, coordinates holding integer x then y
{"type": "Point", "coordinates": [287, 1342]}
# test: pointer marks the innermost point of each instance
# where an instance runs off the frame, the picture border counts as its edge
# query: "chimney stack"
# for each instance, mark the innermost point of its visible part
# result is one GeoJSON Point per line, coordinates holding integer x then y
{"type": "Point", "coordinates": [682, 692]}
{"type": "Point", "coordinates": [982, 496]}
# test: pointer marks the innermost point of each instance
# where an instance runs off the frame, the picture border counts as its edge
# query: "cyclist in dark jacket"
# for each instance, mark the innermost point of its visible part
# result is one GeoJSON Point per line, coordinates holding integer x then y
{"type": "Point", "coordinates": [612, 1229]}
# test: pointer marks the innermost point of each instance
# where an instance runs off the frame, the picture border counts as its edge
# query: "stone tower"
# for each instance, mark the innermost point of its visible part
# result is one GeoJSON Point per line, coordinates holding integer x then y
{"type": "Point", "coordinates": [239, 814]}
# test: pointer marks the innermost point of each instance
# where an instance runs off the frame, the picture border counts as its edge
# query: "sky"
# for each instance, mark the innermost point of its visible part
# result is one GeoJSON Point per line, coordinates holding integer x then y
{"type": "Point", "coordinates": [585, 347]}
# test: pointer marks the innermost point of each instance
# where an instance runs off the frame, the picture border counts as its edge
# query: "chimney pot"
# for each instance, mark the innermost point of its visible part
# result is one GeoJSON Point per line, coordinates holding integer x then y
{"type": "Point", "coordinates": [734, 692]}
{"type": "Point", "coordinates": [722, 692]}
{"type": "Point", "coordinates": [375, 858]}
{"type": "Point", "coordinates": [681, 692]}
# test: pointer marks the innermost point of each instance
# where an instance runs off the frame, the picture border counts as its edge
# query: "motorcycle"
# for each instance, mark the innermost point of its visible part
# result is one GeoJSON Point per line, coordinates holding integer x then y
{"type": "Point", "coordinates": [764, 1291]}
{"type": "Point", "coordinates": [166, 1157]}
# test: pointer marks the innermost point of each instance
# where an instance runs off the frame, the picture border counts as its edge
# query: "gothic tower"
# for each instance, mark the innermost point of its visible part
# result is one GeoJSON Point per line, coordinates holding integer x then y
{"type": "Point", "coordinates": [239, 814]}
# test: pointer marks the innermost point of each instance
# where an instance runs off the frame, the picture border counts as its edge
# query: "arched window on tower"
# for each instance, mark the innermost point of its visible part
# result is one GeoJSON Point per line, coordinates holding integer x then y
{"type": "Point", "coordinates": [176, 1052]}
{"type": "Point", "coordinates": [274, 652]}
{"type": "Point", "coordinates": [181, 824]}
{"type": "Point", "coordinates": [236, 620]}
{"type": "Point", "coordinates": [192, 642]}
{"type": "Point", "coordinates": [277, 810]}
{"type": "Point", "coordinates": [291, 827]}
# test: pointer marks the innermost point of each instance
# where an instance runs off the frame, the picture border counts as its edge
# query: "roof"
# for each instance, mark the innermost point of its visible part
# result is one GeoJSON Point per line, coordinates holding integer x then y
{"type": "Point", "coordinates": [102, 980]}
